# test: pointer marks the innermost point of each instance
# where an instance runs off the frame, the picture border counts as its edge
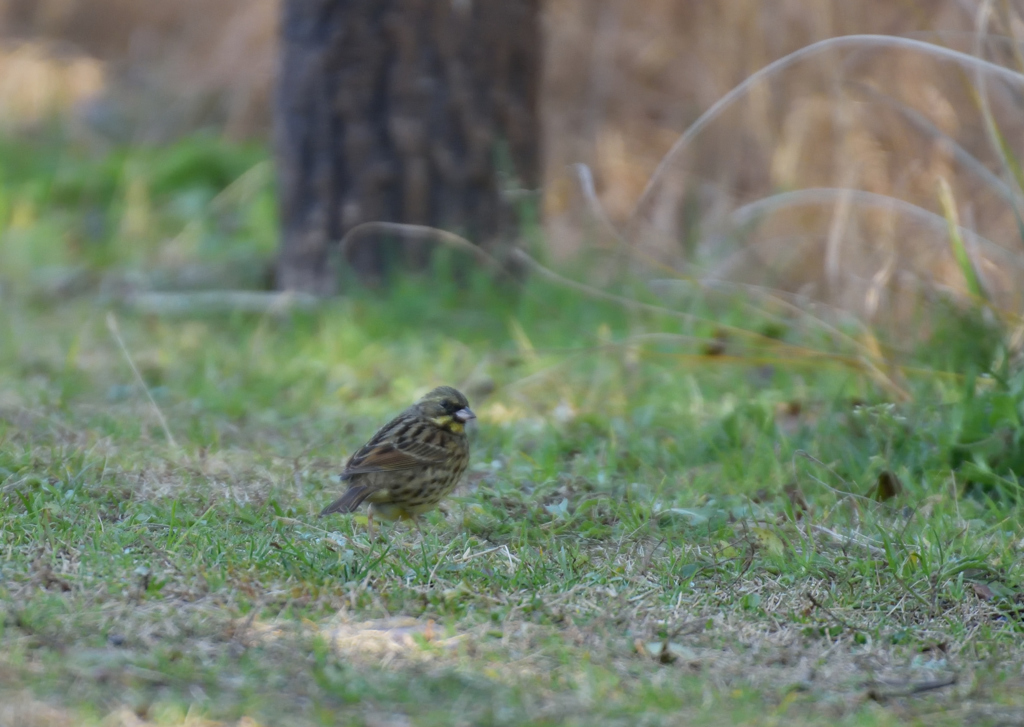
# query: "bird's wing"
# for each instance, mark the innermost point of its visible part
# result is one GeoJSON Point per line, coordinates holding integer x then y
{"type": "Point", "coordinates": [394, 454]}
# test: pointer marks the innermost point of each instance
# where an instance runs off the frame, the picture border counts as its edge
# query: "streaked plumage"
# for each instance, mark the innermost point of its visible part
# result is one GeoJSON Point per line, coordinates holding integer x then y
{"type": "Point", "coordinates": [412, 462]}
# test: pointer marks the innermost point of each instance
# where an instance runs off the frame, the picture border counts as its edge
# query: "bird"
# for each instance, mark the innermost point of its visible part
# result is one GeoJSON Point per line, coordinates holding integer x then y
{"type": "Point", "coordinates": [412, 462]}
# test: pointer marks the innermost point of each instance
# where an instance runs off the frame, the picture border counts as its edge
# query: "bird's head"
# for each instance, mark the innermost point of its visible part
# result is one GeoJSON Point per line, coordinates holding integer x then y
{"type": "Point", "coordinates": [446, 407]}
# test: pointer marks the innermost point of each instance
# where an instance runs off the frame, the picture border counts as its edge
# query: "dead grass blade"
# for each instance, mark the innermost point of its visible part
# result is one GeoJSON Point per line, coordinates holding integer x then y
{"type": "Point", "coordinates": [116, 333]}
{"type": "Point", "coordinates": [848, 42]}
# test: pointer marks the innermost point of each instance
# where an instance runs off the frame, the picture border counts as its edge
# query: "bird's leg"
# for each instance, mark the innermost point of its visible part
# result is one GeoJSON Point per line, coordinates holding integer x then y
{"type": "Point", "coordinates": [369, 524]}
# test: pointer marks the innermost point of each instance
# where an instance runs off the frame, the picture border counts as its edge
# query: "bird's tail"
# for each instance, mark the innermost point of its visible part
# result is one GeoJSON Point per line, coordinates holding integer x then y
{"type": "Point", "coordinates": [348, 502]}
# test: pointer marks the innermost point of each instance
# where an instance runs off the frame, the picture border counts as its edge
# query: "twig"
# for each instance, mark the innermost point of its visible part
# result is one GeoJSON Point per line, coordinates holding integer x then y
{"type": "Point", "coordinates": [919, 688]}
{"type": "Point", "coordinates": [597, 293]}
{"type": "Point", "coordinates": [586, 180]}
{"type": "Point", "coordinates": [116, 333]}
{"type": "Point", "coordinates": [460, 243]}
{"type": "Point", "coordinates": [471, 556]}
{"type": "Point", "coordinates": [848, 539]}
{"type": "Point", "coordinates": [836, 490]}
{"type": "Point", "coordinates": [693, 626]}
{"type": "Point", "coordinates": [818, 604]}
{"type": "Point", "coordinates": [218, 301]}
{"type": "Point", "coordinates": [423, 232]}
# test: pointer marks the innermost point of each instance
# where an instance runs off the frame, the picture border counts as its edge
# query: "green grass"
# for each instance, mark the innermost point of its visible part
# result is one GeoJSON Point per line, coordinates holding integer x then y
{"type": "Point", "coordinates": [649, 534]}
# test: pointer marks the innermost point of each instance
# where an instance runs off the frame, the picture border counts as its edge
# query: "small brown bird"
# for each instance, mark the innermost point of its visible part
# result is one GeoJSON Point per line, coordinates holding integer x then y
{"type": "Point", "coordinates": [412, 462]}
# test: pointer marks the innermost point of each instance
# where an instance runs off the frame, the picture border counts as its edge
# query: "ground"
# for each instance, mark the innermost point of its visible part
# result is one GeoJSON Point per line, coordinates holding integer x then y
{"type": "Point", "coordinates": [717, 518]}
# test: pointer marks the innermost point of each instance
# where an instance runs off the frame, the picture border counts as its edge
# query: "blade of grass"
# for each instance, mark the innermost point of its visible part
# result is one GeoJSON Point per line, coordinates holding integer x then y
{"type": "Point", "coordinates": [957, 244]}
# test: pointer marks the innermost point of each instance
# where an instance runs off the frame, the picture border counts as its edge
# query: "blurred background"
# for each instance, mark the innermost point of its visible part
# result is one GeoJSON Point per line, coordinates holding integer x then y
{"type": "Point", "coordinates": [768, 275]}
{"type": "Point", "coordinates": [836, 177]}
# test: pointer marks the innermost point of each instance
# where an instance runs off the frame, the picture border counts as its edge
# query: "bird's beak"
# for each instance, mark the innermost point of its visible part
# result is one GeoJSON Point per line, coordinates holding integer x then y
{"type": "Point", "coordinates": [464, 415]}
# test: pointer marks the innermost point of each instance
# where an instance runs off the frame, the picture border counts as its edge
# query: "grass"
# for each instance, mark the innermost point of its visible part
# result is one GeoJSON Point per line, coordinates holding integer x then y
{"type": "Point", "coordinates": [662, 523]}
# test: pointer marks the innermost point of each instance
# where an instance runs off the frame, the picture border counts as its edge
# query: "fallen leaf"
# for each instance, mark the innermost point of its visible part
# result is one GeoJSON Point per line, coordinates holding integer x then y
{"type": "Point", "coordinates": [768, 541]}
{"type": "Point", "coordinates": [983, 592]}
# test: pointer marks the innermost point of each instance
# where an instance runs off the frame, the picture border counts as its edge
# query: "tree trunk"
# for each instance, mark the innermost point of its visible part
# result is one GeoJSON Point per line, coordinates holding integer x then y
{"type": "Point", "coordinates": [416, 111]}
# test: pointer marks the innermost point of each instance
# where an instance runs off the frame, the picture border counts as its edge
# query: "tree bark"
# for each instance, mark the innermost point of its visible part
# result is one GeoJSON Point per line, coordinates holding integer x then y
{"type": "Point", "coordinates": [415, 111]}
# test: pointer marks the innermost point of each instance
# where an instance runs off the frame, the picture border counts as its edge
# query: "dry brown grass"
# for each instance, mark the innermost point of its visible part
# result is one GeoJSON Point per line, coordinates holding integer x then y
{"type": "Point", "coordinates": [896, 123]}
{"type": "Point", "coordinates": [648, 70]}
{"type": "Point", "coordinates": [623, 82]}
{"type": "Point", "coordinates": [180, 64]}
{"type": "Point", "coordinates": [36, 83]}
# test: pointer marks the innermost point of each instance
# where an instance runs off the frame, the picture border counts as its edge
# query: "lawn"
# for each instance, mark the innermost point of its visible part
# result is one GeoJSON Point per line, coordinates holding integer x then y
{"type": "Point", "coordinates": [712, 514]}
